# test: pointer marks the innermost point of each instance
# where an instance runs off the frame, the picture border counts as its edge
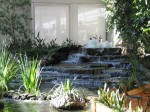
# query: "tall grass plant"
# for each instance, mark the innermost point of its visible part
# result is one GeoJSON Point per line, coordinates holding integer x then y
{"type": "Point", "coordinates": [8, 67]}
{"type": "Point", "coordinates": [30, 72]}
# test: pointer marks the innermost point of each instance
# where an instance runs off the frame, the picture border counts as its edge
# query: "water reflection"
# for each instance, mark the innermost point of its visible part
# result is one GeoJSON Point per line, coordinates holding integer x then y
{"type": "Point", "coordinates": [21, 106]}
{"type": "Point", "coordinates": [35, 106]}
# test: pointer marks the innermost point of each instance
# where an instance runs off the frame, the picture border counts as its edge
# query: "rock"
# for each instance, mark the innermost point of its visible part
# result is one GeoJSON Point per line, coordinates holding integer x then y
{"type": "Point", "coordinates": [84, 59]}
{"type": "Point", "coordinates": [16, 96]}
{"type": "Point", "coordinates": [53, 61]}
{"type": "Point", "coordinates": [74, 48]}
{"type": "Point", "coordinates": [45, 62]}
{"type": "Point", "coordinates": [49, 97]}
{"type": "Point", "coordinates": [32, 98]}
{"type": "Point", "coordinates": [23, 97]}
{"type": "Point", "coordinates": [42, 97]}
{"type": "Point", "coordinates": [67, 102]}
{"type": "Point", "coordinates": [7, 95]}
{"type": "Point", "coordinates": [63, 49]}
{"type": "Point", "coordinates": [1, 105]}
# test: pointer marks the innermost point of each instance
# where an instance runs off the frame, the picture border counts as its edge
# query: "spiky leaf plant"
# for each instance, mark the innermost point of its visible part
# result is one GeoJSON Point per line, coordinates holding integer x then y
{"type": "Point", "coordinates": [31, 74]}
{"type": "Point", "coordinates": [111, 99]}
{"type": "Point", "coordinates": [8, 67]}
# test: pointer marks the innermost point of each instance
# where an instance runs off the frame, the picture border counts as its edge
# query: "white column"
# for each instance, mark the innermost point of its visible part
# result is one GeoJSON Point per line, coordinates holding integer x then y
{"type": "Point", "coordinates": [73, 15]}
{"type": "Point", "coordinates": [102, 28]}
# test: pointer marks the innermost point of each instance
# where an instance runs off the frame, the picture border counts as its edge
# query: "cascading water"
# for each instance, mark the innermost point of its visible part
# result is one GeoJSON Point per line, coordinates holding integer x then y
{"type": "Point", "coordinates": [74, 58]}
{"type": "Point", "coordinates": [92, 67]}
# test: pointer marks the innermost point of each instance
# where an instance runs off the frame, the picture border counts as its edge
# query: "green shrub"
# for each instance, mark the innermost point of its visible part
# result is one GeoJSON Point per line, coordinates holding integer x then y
{"type": "Point", "coordinates": [8, 67]}
{"type": "Point", "coordinates": [30, 74]}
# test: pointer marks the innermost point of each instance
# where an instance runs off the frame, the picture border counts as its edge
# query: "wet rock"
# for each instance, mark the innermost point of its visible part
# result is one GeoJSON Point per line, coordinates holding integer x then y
{"type": "Point", "coordinates": [7, 95]}
{"type": "Point", "coordinates": [49, 97]}
{"type": "Point", "coordinates": [23, 97]}
{"type": "Point", "coordinates": [32, 98]}
{"type": "Point", "coordinates": [84, 59]}
{"type": "Point", "coordinates": [45, 62]}
{"type": "Point", "coordinates": [42, 97]}
{"type": "Point", "coordinates": [16, 96]}
{"type": "Point", "coordinates": [68, 102]}
{"type": "Point", "coordinates": [1, 105]}
{"type": "Point", "coordinates": [92, 52]}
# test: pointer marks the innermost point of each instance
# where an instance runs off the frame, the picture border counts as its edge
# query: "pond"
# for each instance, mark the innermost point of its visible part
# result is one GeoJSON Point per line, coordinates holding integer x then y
{"type": "Point", "coordinates": [32, 106]}
{"type": "Point", "coordinates": [41, 106]}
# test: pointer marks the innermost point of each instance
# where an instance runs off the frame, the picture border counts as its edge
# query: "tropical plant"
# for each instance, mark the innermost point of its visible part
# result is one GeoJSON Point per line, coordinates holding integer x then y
{"type": "Point", "coordinates": [30, 71]}
{"type": "Point", "coordinates": [8, 67]}
{"type": "Point", "coordinates": [112, 99]}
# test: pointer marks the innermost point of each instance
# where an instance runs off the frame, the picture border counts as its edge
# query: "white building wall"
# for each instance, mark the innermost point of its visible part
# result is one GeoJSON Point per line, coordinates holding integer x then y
{"type": "Point", "coordinates": [69, 1]}
{"type": "Point", "coordinates": [73, 14]}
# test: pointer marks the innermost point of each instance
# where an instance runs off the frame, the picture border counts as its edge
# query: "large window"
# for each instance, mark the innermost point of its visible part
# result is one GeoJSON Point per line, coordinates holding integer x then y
{"type": "Point", "coordinates": [91, 22]}
{"type": "Point", "coordinates": [51, 21]}
{"type": "Point", "coordinates": [75, 21]}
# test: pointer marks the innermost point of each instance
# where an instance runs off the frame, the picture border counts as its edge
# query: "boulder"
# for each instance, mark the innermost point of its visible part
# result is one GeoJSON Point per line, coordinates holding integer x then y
{"type": "Point", "coordinates": [68, 102]}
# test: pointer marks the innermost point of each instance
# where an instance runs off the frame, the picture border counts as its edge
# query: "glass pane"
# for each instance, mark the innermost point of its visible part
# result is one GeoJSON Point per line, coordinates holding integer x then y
{"type": "Point", "coordinates": [51, 21]}
{"type": "Point", "coordinates": [91, 22]}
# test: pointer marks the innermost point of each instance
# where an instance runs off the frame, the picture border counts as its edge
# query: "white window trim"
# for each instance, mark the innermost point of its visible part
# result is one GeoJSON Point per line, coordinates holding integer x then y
{"type": "Point", "coordinates": [62, 2]}
{"type": "Point", "coordinates": [69, 1]}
